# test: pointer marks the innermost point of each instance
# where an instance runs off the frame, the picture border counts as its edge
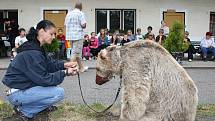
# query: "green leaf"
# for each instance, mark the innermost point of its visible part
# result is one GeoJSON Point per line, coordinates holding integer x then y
{"type": "Point", "coordinates": [175, 40]}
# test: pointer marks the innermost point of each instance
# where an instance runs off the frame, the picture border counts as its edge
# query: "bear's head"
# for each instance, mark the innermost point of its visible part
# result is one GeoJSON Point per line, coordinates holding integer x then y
{"type": "Point", "coordinates": [108, 63]}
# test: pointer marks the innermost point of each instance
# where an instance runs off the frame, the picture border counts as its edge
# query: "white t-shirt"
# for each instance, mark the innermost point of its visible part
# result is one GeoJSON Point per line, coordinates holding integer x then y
{"type": "Point", "coordinates": [166, 30]}
{"type": "Point", "coordinates": [20, 40]}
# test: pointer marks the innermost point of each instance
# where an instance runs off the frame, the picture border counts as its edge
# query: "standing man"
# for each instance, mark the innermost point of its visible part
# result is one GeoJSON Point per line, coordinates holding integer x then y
{"type": "Point", "coordinates": [75, 23]}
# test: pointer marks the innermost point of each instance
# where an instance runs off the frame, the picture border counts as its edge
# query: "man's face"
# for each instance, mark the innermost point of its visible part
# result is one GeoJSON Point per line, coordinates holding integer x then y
{"type": "Point", "coordinates": [161, 32]}
{"type": "Point", "coordinates": [163, 23]}
{"type": "Point", "coordinates": [86, 37]}
{"type": "Point", "coordinates": [208, 37]}
{"type": "Point", "coordinates": [93, 35]}
{"type": "Point", "coordinates": [125, 37]}
{"type": "Point", "coordinates": [150, 37]}
{"type": "Point", "coordinates": [186, 35]}
{"type": "Point", "coordinates": [7, 22]}
{"type": "Point", "coordinates": [22, 33]}
{"type": "Point", "coordinates": [60, 32]}
{"type": "Point", "coordinates": [149, 30]}
{"type": "Point", "coordinates": [129, 33]}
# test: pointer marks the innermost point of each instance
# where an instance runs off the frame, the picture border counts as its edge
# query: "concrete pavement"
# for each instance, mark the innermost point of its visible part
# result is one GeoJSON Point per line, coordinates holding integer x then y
{"type": "Point", "coordinates": [201, 72]}
{"type": "Point", "coordinates": [4, 62]}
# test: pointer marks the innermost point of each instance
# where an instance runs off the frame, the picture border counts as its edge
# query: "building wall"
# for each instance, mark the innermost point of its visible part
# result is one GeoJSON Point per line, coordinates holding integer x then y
{"type": "Point", "coordinates": [149, 12]}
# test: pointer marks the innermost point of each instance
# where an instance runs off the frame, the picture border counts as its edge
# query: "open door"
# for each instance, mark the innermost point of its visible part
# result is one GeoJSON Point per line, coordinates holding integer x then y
{"type": "Point", "coordinates": [170, 16]}
{"type": "Point", "coordinates": [57, 17]}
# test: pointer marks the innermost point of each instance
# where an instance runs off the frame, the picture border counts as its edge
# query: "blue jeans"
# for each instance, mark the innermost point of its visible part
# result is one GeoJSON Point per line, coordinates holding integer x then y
{"type": "Point", "coordinates": [206, 50]}
{"type": "Point", "coordinates": [62, 49]}
{"type": "Point", "coordinates": [68, 53]}
{"type": "Point", "coordinates": [34, 100]}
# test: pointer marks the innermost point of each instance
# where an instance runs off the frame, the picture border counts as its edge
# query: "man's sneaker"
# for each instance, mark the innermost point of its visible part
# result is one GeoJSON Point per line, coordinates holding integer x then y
{"type": "Point", "coordinates": [51, 109]}
{"type": "Point", "coordinates": [212, 58]}
{"type": "Point", "coordinates": [204, 59]}
{"type": "Point", "coordinates": [84, 69]}
{"type": "Point", "coordinates": [197, 54]}
{"type": "Point", "coordinates": [190, 60]}
{"type": "Point", "coordinates": [21, 116]}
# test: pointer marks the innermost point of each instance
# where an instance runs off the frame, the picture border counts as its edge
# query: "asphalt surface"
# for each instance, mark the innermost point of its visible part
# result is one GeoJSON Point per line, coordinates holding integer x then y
{"type": "Point", "coordinates": [203, 77]}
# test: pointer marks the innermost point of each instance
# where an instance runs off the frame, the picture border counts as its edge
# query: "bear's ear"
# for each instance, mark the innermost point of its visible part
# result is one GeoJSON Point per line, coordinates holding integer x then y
{"type": "Point", "coordinates": [103, 54]}
{"type": "Point", "coordinates": [111, 48]}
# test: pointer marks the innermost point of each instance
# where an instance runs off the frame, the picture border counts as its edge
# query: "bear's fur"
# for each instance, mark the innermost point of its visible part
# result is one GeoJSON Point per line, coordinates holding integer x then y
{"type": "Point", "coordinates": [155, 87]}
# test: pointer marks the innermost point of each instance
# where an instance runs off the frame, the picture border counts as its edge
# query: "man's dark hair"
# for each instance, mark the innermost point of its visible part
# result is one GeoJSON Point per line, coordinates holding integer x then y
{"type": "Point", "coordinates": [149, 27]}
{"type": "Point", "coordinates": [6, 19]}
{"type": "Point", "coordinates": [60, 29]}
{"type": "Point", "coordinates": [21, 29]}
{"type": "Point", "coordinates": [78, 5]}
{"type": "Point", "coordinates": [138, 29]}
{"type": "Point", "coordinates": [92, 33]}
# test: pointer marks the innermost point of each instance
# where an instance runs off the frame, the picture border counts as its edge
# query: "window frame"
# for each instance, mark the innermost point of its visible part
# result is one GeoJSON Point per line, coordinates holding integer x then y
{"type": "Point", "coordinates": [212, 23]}
{"type": "Point", "coordinates": [121, 18]}
{"type": "Point", "coordinates": [6, 15]}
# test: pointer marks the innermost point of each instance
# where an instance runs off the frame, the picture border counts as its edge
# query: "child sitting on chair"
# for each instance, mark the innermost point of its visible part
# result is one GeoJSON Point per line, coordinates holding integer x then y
{"type": "Point", "coordinates": [19, 41]}
{"type": "Point", "coordinates": [86, 48]}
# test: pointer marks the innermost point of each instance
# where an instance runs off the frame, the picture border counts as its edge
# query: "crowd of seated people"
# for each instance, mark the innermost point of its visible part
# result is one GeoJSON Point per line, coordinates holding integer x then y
{"type": "Point", "coordinates": [94, 43]}
{"type": "Point", "coordinates": [103, 39]}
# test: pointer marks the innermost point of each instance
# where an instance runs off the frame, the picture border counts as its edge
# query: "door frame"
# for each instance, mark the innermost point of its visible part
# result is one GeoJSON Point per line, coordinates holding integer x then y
{"type": "Point", "coordinates": [42, 9]}
{"type": "Point", "coordinates": [176, 12]}
{"type": "Point", "coordinates": [185, 11]}
{"type": "Point", "coordinates": [53, 10]}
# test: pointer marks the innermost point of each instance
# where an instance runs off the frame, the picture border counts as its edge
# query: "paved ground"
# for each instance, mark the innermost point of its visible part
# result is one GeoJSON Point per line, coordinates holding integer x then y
{"type": "Point", "coordinates": [4, 62]}
{"type": "Point", "coordinates": [201, 72]}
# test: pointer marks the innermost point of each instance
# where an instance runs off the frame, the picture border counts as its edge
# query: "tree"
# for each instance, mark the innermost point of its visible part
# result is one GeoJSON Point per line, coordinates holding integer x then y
{"type": "Point", "coordinates": [175, 40]}
{"type": "Point", "coordinates": [53, 48]}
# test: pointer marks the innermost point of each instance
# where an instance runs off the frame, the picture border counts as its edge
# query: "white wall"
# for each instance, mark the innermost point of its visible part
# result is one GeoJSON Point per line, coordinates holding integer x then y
{"type": "Point", "coordinates": [148, 12]}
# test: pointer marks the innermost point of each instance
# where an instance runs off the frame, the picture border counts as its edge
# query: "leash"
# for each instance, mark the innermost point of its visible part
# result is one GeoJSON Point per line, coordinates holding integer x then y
{"type": "Point", "coordinates": [82, 96]}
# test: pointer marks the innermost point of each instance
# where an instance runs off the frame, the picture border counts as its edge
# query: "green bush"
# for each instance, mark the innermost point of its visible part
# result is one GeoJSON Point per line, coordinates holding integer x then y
{"type": "Point", "coordinates": [53, 47]}
{"type": "Point", "coordinates": [175, 40]}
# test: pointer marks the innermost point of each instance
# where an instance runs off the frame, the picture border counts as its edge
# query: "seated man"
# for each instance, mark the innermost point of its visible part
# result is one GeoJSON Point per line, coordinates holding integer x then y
{"type": "Point", "coordinates": [191, 49]}
{"type": "Point", "coordinates": [207, 45]}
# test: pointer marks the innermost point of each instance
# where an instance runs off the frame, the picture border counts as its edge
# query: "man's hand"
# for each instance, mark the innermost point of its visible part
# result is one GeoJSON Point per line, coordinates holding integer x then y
{"type": "Point", "coordinates": [210, 46]}
{"type": "Point", "coordinates": [70, 64]}
{"type": "Point", "coordinates": [83, 26]}
{"type": "Point", "coordinates": [73, 71]}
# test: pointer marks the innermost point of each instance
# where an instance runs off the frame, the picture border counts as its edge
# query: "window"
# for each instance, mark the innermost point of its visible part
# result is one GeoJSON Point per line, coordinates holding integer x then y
{"type": "Point", "coordinates": [212, 23]}
{"type": "Point", "coordinates": [129, 20]}
{"type": "Point", "coordinates": [1, 21]}
{"type": "Point", "coordinates": [11, 14]}
{"type": "Point", "coordinates": [101, 20]}
{"type": "Point", "coordinates": [116, 19]}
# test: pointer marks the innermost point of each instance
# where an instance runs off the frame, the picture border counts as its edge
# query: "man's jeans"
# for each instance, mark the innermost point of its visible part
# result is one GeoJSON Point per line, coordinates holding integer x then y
{"type": "Point", "coordinates": [206, 50]}
{"type": "Point", "coordinates": [68, 53]}
{"type": "Point", "coordinates": [34, 100]}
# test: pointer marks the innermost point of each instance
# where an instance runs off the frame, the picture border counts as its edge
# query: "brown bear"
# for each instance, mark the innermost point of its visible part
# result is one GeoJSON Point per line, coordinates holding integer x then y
{"type": "Point", "coordinates": [155, 87]}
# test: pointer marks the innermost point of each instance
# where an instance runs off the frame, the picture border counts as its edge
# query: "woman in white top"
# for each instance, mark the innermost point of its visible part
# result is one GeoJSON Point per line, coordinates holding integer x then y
{"type": "Point", "coordinates": [165, 28]}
